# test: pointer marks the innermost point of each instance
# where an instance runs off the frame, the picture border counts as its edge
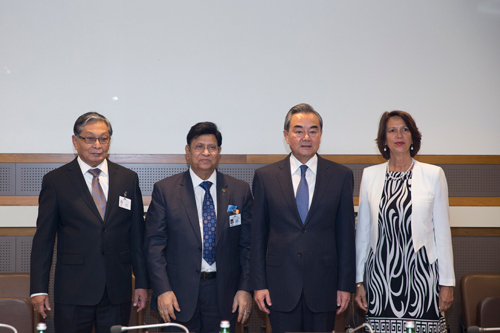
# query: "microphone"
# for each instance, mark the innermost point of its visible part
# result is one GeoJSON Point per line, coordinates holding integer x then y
{"type": "Point", "coordinates": [351, 330]}
{"type": "Point", "coordinates": [8, 326]}
{"type": "Point", "coordinates": [476, 329]}
{"type": "Point", "coordinates": [119, 328]}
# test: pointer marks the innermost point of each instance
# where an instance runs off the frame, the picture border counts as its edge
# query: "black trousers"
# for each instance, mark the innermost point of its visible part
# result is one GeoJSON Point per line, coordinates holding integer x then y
{"type": "Point", "coordinates": [81, 318]}
{"type": "Point", "coordinates": [206, 317]}
{"type": "Point", "coordinates": [301, 319]}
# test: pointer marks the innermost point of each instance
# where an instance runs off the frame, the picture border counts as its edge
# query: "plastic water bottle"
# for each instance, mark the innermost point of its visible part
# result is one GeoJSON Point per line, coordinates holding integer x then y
{"type": "Point", "coordinates": [224, 326]}
{"type": "Point", "coordinates": [410, 327]}
{"type": "Point", "coordinates": [41, 328]}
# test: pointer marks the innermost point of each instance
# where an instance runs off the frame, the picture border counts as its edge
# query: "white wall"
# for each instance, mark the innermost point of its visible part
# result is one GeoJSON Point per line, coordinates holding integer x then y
{"type": "Point", "coordinates": [243, 64]}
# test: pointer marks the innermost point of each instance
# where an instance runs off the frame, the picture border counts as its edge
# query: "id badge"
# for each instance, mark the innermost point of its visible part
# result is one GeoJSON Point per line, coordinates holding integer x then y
{"type": "Point", "coordinates": [234, 220]}
{"type": "Point", "coordinates": [125, 203]}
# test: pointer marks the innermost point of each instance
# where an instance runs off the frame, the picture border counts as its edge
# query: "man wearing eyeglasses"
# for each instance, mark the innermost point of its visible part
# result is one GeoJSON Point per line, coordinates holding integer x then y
{"type": "Point", "coordinates": [95, 209]}
{"type": "Point", "coordinates": [198, 240]}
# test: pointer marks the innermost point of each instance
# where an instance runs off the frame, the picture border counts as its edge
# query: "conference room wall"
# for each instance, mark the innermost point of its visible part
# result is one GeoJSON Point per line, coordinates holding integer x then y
{"type": "Point", "coordinates": [155, 68]}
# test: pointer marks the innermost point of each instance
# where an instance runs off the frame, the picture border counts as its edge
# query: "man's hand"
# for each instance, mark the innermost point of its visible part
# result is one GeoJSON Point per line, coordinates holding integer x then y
{"type": "Point", "coordinates": [343, 298]}
{"type": "Point", "coordinates": [262, 298]}
{"type": "Point", "coordinates": [242, 302]}
{"type": "Point", "coordinates": [360, 297]}
{"type": "Point", "coordinates": [167, 302]}
{"type": "Point", "coordinates": [140, 298]}
{"type": "Point", "coordinates": [41, 303]}
{"type": "Point", "coordinates": [445, 298]}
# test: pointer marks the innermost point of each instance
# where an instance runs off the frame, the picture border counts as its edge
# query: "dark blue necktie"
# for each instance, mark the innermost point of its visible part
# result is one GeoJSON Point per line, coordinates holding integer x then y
{"type": "Point", "coordinates": [302, 196]}
{"type": "Point", "coordinates": [209, 222]}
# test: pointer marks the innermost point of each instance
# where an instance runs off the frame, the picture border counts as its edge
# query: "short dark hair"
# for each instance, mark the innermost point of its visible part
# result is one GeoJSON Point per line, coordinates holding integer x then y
{"type": "Point", "coordinates": [90, 116]}
{"type": "Point", "coordinates": [416, 136]}
{"type": "Point", "coordinates": [301, 108]}
{"type": "Point", "coordinates": [202, 129]}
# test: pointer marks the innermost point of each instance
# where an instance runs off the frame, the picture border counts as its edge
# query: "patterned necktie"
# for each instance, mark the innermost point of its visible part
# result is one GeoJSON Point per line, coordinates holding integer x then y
{"type": "Point", "coordinates": [98, 193]}
{"type": "Point", "coordinates": [302, 196]}
{"type": "Point", "coordinates": [209, 222]}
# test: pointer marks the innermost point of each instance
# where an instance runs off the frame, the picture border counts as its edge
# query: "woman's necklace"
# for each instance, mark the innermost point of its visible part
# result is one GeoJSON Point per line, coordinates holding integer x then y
{"type": "Point", "coordinates": [401, 174]}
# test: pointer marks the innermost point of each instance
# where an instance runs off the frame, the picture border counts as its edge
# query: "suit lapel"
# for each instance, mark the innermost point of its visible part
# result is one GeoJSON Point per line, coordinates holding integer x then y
{"type": "Point", "coordinates": [322, 182]}
{"type": "Point", "coordinates": [186, 193]}
{"type": "Point", "coordinates": [285, 181]}
{"type": "Point", "coordinates": [113, 180]}
{"type": "Point", "coordinates": [76, 177]}
{"type": "Point", "coordinates": [223, 196]}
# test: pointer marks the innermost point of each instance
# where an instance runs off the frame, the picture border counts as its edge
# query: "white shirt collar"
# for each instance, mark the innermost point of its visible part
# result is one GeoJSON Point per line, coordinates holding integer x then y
{"type": "Point", "coordinates": [197, 180]}
{"type": "Point", "coordinates": [295, 164]}
{"type": "Point", "coordinates": [85, 167]}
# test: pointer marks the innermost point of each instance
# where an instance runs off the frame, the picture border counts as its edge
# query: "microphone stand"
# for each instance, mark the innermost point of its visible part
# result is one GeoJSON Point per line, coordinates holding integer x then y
{"type": "Point", "coordinates": [476, 329]}
{"type": "Point", "coordinates": [119, 328]}
{"type": "Point", "coordinates": [8, 326]}
{"type": "Point", "coordinates": [351, 330]}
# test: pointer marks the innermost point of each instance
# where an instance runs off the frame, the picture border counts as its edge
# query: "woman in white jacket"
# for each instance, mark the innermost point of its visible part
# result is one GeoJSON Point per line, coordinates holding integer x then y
{"type": "Point", "coordinates": [404, 258]}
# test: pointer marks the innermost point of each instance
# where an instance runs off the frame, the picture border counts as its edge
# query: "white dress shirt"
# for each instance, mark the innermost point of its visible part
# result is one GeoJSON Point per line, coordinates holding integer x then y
{"type": "Point", "coordinates": [103, 176]}
{"type": "Point", "coordinates": [199, 194]}
{"type": "Point", "coordinates": [312, 169]}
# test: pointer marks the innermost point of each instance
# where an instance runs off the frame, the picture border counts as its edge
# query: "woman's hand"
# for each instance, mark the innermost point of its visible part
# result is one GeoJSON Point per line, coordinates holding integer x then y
{"type": "Point", "coordinates": [360, 296]}
{"type": "Point", "coordinates": [445, 298]}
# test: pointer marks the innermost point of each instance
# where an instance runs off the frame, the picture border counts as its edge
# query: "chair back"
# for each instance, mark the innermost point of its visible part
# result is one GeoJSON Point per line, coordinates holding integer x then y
{"type": "Point", "coordinates": [475, 287]}
{"type": "Point", "coordinates": [16, 301]}
{"type": "Point", "coordinates": [488, 312]}
{"type": "Point", "coordinates": [16, 312]}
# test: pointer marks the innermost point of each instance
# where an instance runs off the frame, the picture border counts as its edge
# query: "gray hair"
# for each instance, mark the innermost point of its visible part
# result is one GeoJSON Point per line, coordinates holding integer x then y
{"type": "Point", "coordinates": [301, 108]}
{"type": "Point", "coordinates": [90, 116]}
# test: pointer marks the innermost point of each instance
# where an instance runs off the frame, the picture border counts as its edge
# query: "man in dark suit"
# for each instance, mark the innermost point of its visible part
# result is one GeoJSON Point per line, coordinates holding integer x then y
{"type": "Point", "coordinates": [198, 240]}
{"type": "Point", "coordinates": [95, 209]}
{"type": "Point", "coordinates": [302, 260]}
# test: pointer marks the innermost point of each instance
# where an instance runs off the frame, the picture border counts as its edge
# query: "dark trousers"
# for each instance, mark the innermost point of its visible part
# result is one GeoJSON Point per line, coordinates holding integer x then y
{"type": "Point", "coordinates": [81, 318]}
{"type": "Point", "coordinates": [206, 317]}
{"type": "Point", "coordinates": [301, 319]}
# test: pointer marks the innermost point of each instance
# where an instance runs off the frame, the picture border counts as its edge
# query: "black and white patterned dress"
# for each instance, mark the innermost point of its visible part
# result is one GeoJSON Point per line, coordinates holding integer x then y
{"type": "Point", "coordinates": [400, 284]}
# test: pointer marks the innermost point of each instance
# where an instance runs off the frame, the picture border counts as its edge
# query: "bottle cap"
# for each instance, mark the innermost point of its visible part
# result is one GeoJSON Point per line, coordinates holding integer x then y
{"type": "Point", "coordinates": [41, 326]}
{"type": "Point", "coordinates": [225, 324]}
{"type": "Point", "coordinates": [410, 324]}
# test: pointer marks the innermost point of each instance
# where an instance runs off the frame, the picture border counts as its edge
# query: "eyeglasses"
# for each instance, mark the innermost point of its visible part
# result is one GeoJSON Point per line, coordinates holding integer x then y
{"type": "Point", "coordinates": [91, 140]}
{"type": "Point", "coordinates": [201, 148]}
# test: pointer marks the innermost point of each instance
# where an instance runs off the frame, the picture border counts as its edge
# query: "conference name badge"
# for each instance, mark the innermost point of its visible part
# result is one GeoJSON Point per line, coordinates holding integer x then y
{"type": "Point", "coordinates": [125, 203]}
{"type": "Point", "coordinates": [235, 219]}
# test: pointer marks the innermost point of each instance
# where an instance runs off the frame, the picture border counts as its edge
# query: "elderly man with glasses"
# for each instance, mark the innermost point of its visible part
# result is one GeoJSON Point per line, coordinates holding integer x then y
{"type": "Point", "coordinates": [95, 209]}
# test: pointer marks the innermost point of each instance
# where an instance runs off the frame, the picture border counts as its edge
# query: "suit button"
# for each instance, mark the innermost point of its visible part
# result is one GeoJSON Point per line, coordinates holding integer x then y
{"type": "Point", "coordinates": [197, 272]}
{"type": "Point", "coordinates": [300, 255]}
{"type": "Point", "coordinates": [104, 230]}
{"type": "Point", "coordinates": [199, 248]}
{"type": "Point", "coordinates": [304, 231]}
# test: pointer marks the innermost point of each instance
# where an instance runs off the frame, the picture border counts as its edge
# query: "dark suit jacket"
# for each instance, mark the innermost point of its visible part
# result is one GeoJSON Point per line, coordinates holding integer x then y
{"type": "Point", "coordinates": [316, 258]}
{"type": "Point", "coordinates": [91, 253]}
{"type": "Point", "coordinates": [173, 242]}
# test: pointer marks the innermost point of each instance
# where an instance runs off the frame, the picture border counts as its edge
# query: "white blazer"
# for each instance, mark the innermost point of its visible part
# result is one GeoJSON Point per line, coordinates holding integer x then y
{"type": "Point", "coordinates": [430, 225]}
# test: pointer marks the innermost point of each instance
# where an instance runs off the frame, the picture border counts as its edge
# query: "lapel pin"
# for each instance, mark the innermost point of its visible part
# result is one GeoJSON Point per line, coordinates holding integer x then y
{"type": "Point", "coordinates": [224, 190]}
